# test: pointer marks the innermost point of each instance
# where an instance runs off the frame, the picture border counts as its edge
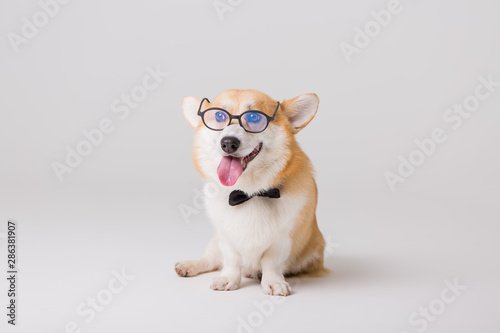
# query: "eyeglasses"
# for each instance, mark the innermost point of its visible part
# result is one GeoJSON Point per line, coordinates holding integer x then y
{"type": "Point", "coordinates": [252, 121]}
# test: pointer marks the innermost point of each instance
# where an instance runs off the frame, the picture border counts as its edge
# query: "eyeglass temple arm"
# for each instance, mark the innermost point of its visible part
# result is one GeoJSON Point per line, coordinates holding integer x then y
{"type": "Point", "coordinates": [201, 103]}
{"type": "Point", "coordinates": [275, 111]}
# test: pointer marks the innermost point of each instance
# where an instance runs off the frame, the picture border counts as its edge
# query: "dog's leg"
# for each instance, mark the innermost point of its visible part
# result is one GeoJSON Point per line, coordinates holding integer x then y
{"type": "Point", "coordinates": [210, 261]}
{"type": "Point", "coordinates": [273, 264]}
{"type": "Point", "coordinates": [230, 276]}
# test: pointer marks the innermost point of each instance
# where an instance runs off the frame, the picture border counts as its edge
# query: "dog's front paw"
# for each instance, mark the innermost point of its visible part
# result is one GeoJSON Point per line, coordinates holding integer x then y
{"type": "Point", "coordinates": [225, 283]}
{"type": "Point", "coordinates": [276, 288]}
{"type": "Point", "coordinates": [186, 268]}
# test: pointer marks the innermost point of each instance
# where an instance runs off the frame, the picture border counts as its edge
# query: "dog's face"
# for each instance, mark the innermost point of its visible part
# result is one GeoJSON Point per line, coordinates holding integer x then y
{"type": "Point", "coordinates": [233, 156]}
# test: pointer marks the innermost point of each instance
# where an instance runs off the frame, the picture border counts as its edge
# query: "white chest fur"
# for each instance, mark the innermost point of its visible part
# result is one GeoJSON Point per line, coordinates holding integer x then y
{"type": "Point", "coordinates": [254, 226]}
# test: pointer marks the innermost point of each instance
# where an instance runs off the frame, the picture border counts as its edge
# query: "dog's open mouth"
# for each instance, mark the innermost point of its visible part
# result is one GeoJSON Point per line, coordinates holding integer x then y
{"type": "Point", "coordinates": [231, 167]}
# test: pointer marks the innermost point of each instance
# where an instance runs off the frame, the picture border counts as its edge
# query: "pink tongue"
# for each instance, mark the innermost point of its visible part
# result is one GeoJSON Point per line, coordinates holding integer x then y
{"type": "Point", "coordinates": [229, 170]}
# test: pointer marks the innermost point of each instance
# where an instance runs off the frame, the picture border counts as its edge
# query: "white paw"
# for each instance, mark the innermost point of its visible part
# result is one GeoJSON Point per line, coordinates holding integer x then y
{"type": "Point", "coordinates": [186, 268]}
{"type": "Point", "coordinates": [276, 288]}
{"type": "Point", "coordinates": [225, 283]}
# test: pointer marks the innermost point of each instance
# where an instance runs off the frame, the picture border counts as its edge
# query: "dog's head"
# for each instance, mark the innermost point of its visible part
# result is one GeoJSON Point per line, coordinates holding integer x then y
{"type": "Point", "coordinates": [237, 146]}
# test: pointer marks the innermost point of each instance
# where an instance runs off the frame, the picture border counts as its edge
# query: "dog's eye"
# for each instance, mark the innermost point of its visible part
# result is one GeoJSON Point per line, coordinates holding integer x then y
{"type": "Point", "coordinates": [220, 116]}
{"type": "Point", "coordinates": [253, 117]}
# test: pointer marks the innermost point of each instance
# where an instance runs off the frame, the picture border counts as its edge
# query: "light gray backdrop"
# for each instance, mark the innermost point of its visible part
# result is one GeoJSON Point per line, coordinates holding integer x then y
{"type": "Point", "coordinates": [386, 73]}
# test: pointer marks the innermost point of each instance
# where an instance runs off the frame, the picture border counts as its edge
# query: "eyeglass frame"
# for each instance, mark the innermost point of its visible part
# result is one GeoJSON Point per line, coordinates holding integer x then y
{"type": "Point", "coordinates": [238, 116]}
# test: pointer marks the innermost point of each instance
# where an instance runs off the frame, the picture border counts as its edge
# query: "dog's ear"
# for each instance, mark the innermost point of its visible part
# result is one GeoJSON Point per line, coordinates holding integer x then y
{"type": "Point", "coordinates": [301, 110]}
{"type": "Point", "coordinates": [190, 107]}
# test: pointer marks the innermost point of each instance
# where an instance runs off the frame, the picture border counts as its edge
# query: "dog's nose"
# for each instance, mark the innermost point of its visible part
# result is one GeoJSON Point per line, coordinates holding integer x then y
{"type": "Point", "coordinates": [229, 144]}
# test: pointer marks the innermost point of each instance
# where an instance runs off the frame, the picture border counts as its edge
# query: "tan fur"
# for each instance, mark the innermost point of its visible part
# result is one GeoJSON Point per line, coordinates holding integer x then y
{"type": "Point", "coordinates": [308, 242]}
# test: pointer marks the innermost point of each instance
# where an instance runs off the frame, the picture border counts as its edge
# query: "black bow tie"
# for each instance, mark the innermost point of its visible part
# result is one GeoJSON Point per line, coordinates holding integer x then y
{"type": "Point", "coordinates": [238, 197]}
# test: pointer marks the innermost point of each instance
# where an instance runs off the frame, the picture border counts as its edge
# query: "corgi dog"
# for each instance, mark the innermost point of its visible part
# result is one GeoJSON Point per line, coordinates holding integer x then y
{"type": "Point", "coordinates": [260, 190]}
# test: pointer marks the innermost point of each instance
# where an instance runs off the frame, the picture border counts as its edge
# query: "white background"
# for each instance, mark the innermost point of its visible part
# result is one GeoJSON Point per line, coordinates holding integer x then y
{"type": "Point", "coordinates": [389, 252]}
